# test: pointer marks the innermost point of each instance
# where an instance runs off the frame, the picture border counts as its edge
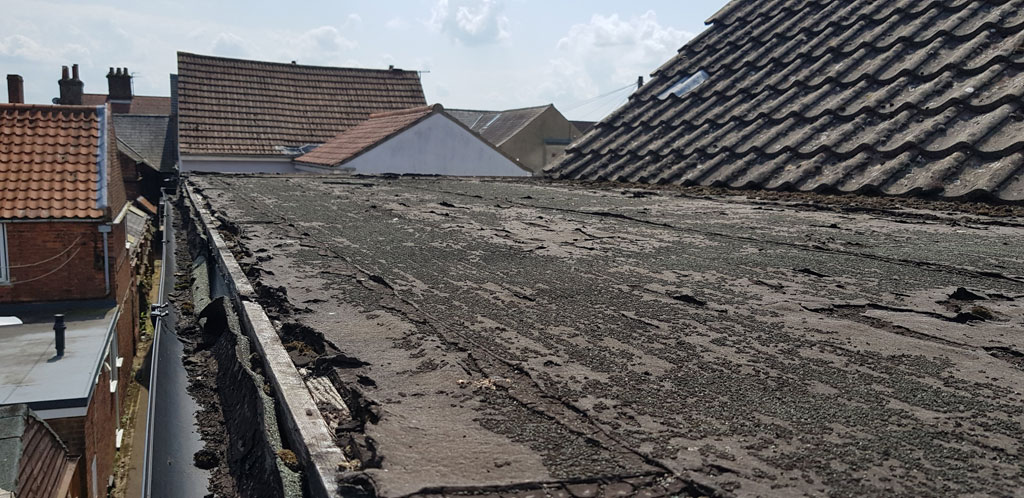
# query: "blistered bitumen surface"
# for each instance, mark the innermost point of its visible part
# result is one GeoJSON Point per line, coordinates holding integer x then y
{"type": "Point", "coordinates": [510, 335]}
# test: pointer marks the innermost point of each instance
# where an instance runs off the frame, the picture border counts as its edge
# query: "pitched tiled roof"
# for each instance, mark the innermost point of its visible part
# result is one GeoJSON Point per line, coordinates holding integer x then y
{"type": "Point", "coordinates": [895, 97]}
{"type": "Point", "coordinates": [352, 142]}
{"type": "Point", "coordinates": [50, 162]}
{"type": "Point", "coordinates": [241, 107]}
{"type": "Point", "coordinates": [498, 126]}
{"type": "Point", "coordinates": [583, 126]}
{"type": "Point", "coordinates": [150, 138]}
{"type": "Point", "coordinates": [141, 104]}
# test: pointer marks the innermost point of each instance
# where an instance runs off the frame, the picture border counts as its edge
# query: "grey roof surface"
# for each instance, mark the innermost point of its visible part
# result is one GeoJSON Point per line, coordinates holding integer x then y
{"type": "Point", "coordinates": [150, 138]}
{"type": "Point", "coordinates": [898, 97]}
{"type": "Point", "coordinates": [12, 426]}
{"type": "Point", "coordinates": [500, 337]}
{"type": "Point", "coordinates": [497, 126]}
{"type": "Point", "coordinates": [28, 371]}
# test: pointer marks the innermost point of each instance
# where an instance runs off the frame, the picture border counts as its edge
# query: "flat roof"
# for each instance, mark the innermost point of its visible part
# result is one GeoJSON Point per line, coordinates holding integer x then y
{"type": "Point", "coordinates": [514, 334]}
{"type": "Point", "coordinates": [31, 374]}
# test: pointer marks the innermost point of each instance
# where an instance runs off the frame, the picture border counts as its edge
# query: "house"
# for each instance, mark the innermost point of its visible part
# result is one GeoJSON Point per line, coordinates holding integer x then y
{"type": "Point", "coordinates": [251, 116]}
{"type": "Point", "coordinates": [121, 97]}
{"type": "Point", "coordinates": [68, 280]}
{"type": "Point", "coordinates": [892, 98]}
{"type": "Point", "coordinates": [421, 140]}
{"type": "Point", "coordinates": [33, 460]}
{"type": "Point", "coordinates": [535, 136]}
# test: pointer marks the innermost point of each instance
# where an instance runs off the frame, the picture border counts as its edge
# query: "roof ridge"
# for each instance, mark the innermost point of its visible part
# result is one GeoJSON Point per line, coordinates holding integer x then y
{"type": "Point", "coordinates": [48, 107]}
{"type": "Point", "coordinates": [403, 112]}
{"type": "Point", "coordinates": [293, 65]}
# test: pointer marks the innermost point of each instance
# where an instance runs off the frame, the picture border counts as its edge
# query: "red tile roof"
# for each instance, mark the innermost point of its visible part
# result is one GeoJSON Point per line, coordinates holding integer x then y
{"type": "Point", "coordinates": [141, 104]}
{"type": "Point", "coordinates": [901, 97]}
{"type": "Point", "coordinates": [243, 107]}
{"type": "Point", "coordinates": [49, 162]}
{"type": "Point", "coordinates": [378, 128]}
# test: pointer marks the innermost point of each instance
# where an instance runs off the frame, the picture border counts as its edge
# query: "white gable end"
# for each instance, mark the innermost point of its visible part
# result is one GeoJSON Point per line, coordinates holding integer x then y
{"type": "Point", "coordinates": [435, 146]}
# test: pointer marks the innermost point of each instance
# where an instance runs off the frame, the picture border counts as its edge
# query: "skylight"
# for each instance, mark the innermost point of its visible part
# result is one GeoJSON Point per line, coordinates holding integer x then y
{"type": "Point", "coordinates": [685, 85]}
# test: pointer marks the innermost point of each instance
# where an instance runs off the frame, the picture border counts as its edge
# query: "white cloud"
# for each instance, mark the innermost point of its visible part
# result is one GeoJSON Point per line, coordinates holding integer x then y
{"type": "Point", "coordinates": [608, 53]}
{"type": "Point", "coordinates": [324, 40]}
{"type": "Point", "coordinates": [23, 47]}
{"type": "Point", "coordinates": [471, 22]}
{"type": "Point", "coordinates": [397, 24]}
{"type": "Point", "coordinates": [229, 45]}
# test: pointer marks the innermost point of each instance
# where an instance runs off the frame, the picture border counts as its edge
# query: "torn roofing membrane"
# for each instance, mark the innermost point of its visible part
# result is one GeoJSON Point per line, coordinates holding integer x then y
{"type": "Point", "coordinates": [498, 336]}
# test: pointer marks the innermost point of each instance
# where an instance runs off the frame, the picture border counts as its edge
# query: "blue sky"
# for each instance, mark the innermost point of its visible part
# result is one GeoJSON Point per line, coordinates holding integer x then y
{"type": "Point", "coordinates": [490, 54]}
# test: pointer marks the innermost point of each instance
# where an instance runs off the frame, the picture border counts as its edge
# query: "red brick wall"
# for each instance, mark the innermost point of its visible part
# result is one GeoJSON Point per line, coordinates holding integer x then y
{"type": "Point", "coordinates": [100, 434]}
{"type": "Point", "coordinates": [76, 246]}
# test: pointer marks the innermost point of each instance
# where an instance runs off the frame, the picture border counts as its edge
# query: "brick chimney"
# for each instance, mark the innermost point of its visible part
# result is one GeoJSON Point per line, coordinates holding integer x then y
{"type": "Point", "coordinates": [70, 88]}
{"type": "Point", "coordinates": [119, 82]}
{"type": "Point", "coordinates": [15, 89]}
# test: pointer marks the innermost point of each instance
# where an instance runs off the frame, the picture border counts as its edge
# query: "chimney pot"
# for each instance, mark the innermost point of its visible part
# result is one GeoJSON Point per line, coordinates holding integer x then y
{"type": "Point", "coordinates": [70, 88]}
{"type": "Point", "coordinates": [15, 89]}
{"type": "Point", "coordinates": [119, 85]}
{"type": "Point", "coordinates": [111, 72]}
{"type": "Point", "coordinates": [58, 329]}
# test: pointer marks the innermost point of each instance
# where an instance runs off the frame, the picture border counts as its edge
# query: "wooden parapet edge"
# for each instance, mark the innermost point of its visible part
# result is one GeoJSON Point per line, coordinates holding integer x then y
{"type": "Point", "coordinates": [312, 439]}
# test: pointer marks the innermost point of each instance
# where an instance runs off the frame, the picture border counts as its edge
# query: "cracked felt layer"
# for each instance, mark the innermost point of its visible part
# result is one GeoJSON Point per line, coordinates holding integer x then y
{"type": "Point", "coordinates": [754, 347]}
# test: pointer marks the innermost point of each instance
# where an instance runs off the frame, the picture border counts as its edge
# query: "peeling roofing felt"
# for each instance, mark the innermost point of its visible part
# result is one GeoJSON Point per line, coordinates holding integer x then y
{"type": "Point", "coordinates": [49, 159]}
{"type": "Point", "coordinates": [243, 107]}
{"type": "Point", "coordinates": [498, 126]}
{"type": "Point", "coordinates": [524, 337]}
{"type": "Point", "coordinates": [898, 97]}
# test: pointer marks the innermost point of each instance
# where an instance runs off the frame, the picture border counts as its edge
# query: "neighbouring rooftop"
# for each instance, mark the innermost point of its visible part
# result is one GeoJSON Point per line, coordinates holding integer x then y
{"type": "Point", "coordinates": [254, 108]}
{"type": "Point", "coordinates": [498, 126]}
{"type": "Point", "coordinates": [898, 97]}
{"type": "Point", "coordinates": [149, 139]}
{"type": "Point", "coordinates": [31, 373]}
{"type": "Point", "coordinates": [57, 162]}
{"type": "Point", "coordinates": [140, 104]}
{"type": "Point", "coordinates": [507, 336]}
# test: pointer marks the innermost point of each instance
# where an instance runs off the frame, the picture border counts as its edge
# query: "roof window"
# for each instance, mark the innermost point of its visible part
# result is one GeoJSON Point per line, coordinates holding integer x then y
{"type": "Point", "coordinates": [685, 85]}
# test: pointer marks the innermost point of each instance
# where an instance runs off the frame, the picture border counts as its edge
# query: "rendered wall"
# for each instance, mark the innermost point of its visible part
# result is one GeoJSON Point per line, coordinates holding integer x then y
{"type": "Point", "coordinates": [436, 146]}
{"type": "Point", "coordinates": [528, 145]}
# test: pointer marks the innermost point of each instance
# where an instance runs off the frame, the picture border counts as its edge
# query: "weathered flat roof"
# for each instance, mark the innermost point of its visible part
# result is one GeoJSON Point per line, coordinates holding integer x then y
{"type": "Point", "coordinates": [29, 370]}
{"type": "Point", "coordinates": [516, 334]}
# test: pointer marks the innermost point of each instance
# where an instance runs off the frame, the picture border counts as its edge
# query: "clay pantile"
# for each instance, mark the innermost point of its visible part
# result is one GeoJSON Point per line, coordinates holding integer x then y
{"type": "Point", "coordinates": [49, 161]}
{"type": "Point", "coordinates": [244, 107]}
{"type": "Point", "coordinates": [897, 98]}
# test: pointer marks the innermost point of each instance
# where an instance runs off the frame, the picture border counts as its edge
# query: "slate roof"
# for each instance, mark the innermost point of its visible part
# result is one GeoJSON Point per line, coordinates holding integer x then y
{"type": "Point", "coordinates": [33, 460]}
{"type": "Point", "coordinates": [149, 139]}
{"type": "Point", "coordinates": [364, 136]}
{"type": "Point", "coordinates": [243, 107]}
{"type": "Point", "coordinates": [583, 126]}
{"type": "Point", "coordinates": [498, 126]}
{"type": "Point", "coordinates": [141, 104]}
{"type": "Point", "coordinates": [898, 97]}
{"type": "Point", "coordinates": [51, 164]}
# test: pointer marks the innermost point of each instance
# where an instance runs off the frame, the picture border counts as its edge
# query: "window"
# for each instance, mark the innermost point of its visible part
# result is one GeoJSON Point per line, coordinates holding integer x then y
{"type": "Point", "coordinates": [685, 85]}
{"type": "Point", "coordinates": [5, 271]}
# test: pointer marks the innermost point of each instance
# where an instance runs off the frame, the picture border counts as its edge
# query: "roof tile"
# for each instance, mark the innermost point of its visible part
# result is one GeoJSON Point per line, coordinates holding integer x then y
{"type": "Point", "coordinates": [48, 157]}
{"type": "Point", "coordinates": [895, 97]}
{"type": "Point", "coordinates": [242, 107]}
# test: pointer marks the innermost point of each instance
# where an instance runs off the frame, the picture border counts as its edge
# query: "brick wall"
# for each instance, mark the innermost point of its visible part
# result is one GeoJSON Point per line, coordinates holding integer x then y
{"type": "Point", "coordinates": [54, 261]}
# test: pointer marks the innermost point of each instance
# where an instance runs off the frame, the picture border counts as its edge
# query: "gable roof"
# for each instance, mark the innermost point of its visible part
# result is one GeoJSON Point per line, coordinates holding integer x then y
{"type": "Point", "coordinates": [243, 107]}
{"type": "Point", "coordinates": [58, 162]}
{"type": "Point", "coordinates": [356, 140]}
{"type": "Point", "coordinates": [147, 139]}
{"type": "Point", "coordinates": [898, 97]}
{"type": "Point", "coordinates": [141, 104]}
{"type": "Point", "coordinates": [498, 126]}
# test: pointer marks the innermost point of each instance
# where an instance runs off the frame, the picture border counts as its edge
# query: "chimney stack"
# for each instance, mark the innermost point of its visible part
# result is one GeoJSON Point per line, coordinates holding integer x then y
{"type": "Point", "coordinates": [119, 83]}
{"type": "Point", "coordinates": [58, 329]}
{"type": "Point", "coordinates": [70, 88]}
{"type": "Point", "coordinates": [15, 89]}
